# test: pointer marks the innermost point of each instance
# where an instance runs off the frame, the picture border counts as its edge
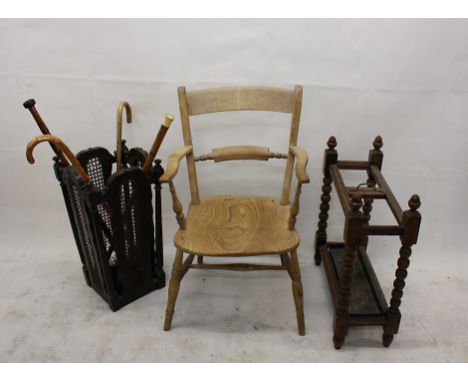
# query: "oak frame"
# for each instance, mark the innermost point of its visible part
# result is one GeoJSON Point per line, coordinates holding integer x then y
{"type": "Point", "coordinates": [356, 292]}
{"type": "Point", "coordinates": [283, 239]}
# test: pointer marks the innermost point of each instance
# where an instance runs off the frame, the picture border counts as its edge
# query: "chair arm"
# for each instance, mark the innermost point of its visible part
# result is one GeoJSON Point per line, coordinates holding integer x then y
{"type": "Point", "coordinates": [173, 163]}
{"type": "Point", "coordinates": [301, 163]}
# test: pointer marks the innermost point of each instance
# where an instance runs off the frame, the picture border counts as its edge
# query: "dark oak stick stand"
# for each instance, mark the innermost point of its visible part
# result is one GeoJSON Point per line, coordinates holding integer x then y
{"type": "Point", "coordinates": [355, 289]}
{"type": "Point", "coordinates": [120, 245]}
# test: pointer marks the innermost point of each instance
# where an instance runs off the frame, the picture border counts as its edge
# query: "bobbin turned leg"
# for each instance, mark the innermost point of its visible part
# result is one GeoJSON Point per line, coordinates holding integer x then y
{"type": "Point", "coordinates": [174, 286]}
{"type": "Point", "coordinates": [330, 157]}
{"type": "Point", "coordinates": [353, 228]}
{"type": "Point", "coordinates": [366, 213]}
{"type": "Point", "coordinates": [341, 321]}
{"type": "Point", "coordinates": [411, 222]}
{"type": "Point", "coordinates": [375, 159]}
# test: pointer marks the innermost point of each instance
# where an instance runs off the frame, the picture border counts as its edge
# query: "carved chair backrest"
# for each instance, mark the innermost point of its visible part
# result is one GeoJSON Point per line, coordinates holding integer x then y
{"type": "Point", "coordinates": [236, 99]}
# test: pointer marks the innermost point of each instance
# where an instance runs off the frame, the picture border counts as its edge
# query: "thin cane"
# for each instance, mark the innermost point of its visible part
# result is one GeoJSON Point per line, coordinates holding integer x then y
{"type": "Point", "coordinates": [122, 105]}
{"type": "Point", "coordinates": [168, 119]}
{"type": "Point", "coordinates": [66, 152]}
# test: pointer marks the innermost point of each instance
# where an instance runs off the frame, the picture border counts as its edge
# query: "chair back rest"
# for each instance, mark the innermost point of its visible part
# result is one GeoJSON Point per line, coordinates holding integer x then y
{"type": "Point", "coordinates": [236, 99]}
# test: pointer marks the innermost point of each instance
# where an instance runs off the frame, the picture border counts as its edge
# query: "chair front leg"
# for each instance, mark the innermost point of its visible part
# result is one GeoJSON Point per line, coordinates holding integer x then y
{"type": "Point", "coordinates": [174, 285]}
{"type": "Point", "coordinates": [298, 293]}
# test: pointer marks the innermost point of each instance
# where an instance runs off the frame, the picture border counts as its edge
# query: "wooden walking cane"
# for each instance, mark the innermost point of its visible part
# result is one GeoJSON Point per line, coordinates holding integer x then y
{"type": "Point", "coordinates": [168, 119]}
{"type": "Point", "coordinates": [64, 151]}
{"type": "Point", "coordinates": [30, 104]}
{"type": "Point", "coordinates": [122, 105]}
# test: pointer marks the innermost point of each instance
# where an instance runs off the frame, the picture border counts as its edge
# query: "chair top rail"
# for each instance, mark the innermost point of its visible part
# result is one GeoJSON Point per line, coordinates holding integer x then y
{"type": "Point", "coordinates": [240, 98]}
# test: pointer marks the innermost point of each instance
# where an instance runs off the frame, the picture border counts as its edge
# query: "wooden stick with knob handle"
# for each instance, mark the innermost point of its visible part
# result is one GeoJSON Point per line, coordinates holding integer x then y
{"type": "Point", "coordinates": [30, 104]}
{"type": "Point", "coordinates": [168, 119]}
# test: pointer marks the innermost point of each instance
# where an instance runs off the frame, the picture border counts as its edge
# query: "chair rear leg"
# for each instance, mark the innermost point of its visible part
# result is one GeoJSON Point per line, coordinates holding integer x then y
{"type": "Point", "coordinates": [284, 261]}
{"type": "Point", "coordinates": [295, 273]}
{"type": "Point", "coordinates": [199, 259]}
{"type": "Point", "coordinates": [173, 288]}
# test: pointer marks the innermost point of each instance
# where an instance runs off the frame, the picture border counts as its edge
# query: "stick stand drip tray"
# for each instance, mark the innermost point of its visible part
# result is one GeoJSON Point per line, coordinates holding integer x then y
{"type": "Point", "coordinates": [367, 304]}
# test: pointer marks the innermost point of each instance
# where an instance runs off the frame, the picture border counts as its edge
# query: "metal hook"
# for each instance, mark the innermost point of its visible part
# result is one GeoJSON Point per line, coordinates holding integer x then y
{"type": "Point", "coordinates": [359, 186]}
{"type": "Point", "coordinates": [64, 149]}
{"type": "Point", "coordinates": [122, 105]}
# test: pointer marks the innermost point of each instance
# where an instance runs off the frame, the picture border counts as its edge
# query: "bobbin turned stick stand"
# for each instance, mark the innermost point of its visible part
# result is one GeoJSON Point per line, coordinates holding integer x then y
{"type": "Point", "coordinates": [355, 289]}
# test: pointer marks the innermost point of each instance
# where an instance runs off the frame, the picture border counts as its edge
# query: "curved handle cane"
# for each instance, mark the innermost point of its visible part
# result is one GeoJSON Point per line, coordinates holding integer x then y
{"type": "Point", "coordinates": [30, 104]}
{"type": "Point", "coordinates": [168, 119]}
{"type": "Point", "coordinates": [122, 105]}
{"type": "Point", "coordinates": [66, 153]}
{"type": "Point", "coordinates": [64, 149]}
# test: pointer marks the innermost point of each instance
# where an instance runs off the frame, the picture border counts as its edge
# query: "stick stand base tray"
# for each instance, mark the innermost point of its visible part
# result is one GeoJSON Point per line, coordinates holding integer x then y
{"type": "Point", "coordinates": [367, 305]}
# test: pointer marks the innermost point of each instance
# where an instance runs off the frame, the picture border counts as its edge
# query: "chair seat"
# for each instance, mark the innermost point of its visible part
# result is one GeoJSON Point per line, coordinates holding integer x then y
{"type": "Point", "coordinates": [237, 226]}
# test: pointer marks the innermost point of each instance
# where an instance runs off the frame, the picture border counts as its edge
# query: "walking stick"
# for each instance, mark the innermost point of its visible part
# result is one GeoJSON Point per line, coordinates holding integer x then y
{"type": "Point", "coordinates": [30, 104]}
{"type": "Point", "coordinates": [122, 105]}
{"type": "Point", "coordinates": [64, 151]}
{"type": "Point", "coordinates": [168, 119]}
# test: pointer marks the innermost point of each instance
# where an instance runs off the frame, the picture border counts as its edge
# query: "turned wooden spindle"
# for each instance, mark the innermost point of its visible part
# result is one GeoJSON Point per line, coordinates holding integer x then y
{"type": "Point", "coordinates": [294, 209]}
{"type": "Point", "coordinates": [411, 223]}
{"type": "Point", "coordinates": [353, 225]}
{"type": "Point", "coordinates": [331, 157]}
{"type": "Point", "coordinates": [277, 155]}
{"type": "Point", "coordinates": [375, 159]}
{"type": "Point", "coordinates": [203, 157]}
{"type": "Point", "coordinates": [177, 206]}
{"type": "Point", "coordinates": [366, 213]}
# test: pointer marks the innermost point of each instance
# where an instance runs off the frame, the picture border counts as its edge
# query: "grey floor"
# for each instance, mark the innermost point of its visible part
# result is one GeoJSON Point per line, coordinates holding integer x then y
{"type": "Point", "coordinates": [47, 313]}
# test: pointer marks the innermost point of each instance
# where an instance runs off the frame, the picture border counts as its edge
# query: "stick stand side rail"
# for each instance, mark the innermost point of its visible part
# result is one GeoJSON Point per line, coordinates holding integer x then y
{"type": "Point", "coordinates": [354, 286]}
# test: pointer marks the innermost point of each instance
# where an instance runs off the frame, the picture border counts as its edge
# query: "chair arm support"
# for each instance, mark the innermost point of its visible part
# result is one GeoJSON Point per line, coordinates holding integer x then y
{"type": "Point", "coordinates": [301, 163]}
{"type": "Point", "coordinates": [177, 206]}
{"type": "Point", "coordinates": [173, 163]}
{"type": "Point", "coordinates": [302, 177]}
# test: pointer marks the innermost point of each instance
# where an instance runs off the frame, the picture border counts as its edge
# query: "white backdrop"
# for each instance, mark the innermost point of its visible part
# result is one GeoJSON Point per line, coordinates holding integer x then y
{"type": "Point", "coordinates": [406, 80]}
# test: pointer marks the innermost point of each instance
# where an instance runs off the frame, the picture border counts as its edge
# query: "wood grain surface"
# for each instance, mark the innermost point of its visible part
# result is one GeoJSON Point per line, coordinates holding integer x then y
{"type": "Point", "coordinates": [240, 98]}
{"type": "Point", "coordinates": [237, 226]}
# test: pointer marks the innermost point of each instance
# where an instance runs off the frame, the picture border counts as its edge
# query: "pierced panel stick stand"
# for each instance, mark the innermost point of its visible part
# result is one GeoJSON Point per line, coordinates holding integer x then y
{"type": "Point", "coordinates": [111, 214]}
{"type": "Point", "coordinates": [120, 246]}
{"type": "Point", "coordinates": [355, 289]}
